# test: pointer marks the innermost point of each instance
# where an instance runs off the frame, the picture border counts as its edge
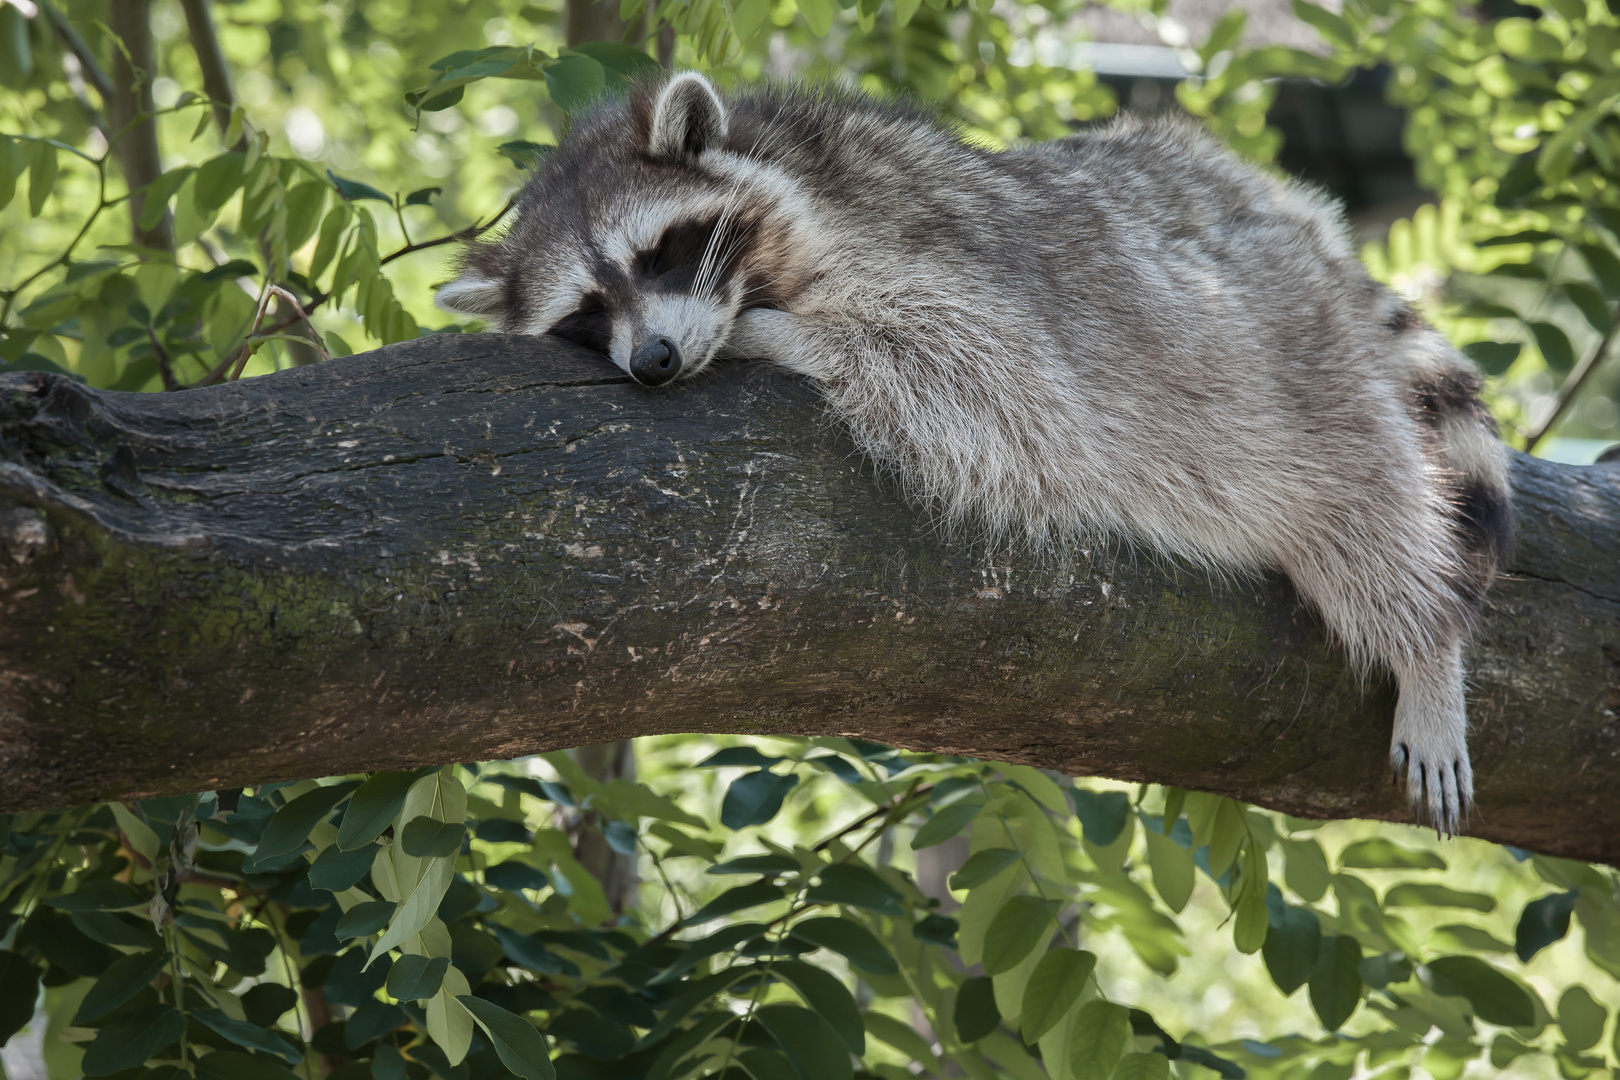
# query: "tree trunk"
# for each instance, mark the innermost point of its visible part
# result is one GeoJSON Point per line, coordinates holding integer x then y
{"type": "Point", "coordinates": [130, 109]}
{"type": "Point", "coordinates": [467, 547]}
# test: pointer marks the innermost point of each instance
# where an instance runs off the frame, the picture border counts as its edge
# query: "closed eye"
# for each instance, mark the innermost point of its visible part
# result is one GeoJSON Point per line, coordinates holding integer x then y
{"type": "Point", "coordinates": [587, 325]}
{"type": "Point", "coordinates": [679, 252]}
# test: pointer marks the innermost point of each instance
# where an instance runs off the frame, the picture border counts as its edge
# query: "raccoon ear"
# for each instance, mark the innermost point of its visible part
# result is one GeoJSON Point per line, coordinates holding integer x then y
{"type": "Point", "coordinates": [687, 119]}
{"type": "Point", "coordinates": [472, 294]}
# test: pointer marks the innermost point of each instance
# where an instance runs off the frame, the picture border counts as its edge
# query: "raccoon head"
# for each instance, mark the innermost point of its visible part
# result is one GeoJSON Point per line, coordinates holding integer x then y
{"type": "Point", "coordinates": [642, 236]}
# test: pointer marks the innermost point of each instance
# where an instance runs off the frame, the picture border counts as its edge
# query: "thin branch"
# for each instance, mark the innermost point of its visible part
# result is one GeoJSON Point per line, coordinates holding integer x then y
{"type": "Point", "coordinates": [132, 110]}
{"type": "Point", "coordinates": [1573, 386]}
{"type": "Point", "coordinates": [216, 72]}
{"type": "Point", "coordinates": [80, 49]}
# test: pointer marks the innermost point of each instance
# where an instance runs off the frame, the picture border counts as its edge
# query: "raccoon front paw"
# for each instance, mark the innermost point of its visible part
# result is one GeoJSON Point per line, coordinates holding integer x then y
{"type": "Point", "coordinates": [1438, 780]}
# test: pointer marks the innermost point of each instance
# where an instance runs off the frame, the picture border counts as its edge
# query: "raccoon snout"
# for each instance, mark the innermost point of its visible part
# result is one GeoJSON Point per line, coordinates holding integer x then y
{"type": "Point", "coordinates": [655, 362]}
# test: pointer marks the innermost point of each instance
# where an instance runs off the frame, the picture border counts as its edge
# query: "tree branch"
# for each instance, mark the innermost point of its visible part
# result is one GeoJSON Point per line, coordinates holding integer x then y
{"type": "Point", "coordinates": [474, 546]}
{"type": "Point", "coordinates": [216, 72]}
{"type": "Point", "coordinates": [131, 109]}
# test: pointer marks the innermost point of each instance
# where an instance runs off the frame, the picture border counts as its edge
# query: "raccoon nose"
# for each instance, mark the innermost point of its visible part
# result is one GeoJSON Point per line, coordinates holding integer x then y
{"type": "Point", "coordinates": [655, 362]}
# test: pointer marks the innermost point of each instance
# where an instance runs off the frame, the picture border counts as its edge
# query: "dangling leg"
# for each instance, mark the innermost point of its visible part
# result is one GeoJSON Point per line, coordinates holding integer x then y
{"type": "Point", "coordinates": [1429, 749]}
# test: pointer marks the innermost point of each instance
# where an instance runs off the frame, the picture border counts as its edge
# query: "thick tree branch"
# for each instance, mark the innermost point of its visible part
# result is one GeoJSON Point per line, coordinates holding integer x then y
{"type": "Point", "coordinates": [470, 547]}
{"type": "Point", "coordinates": [130, 110]}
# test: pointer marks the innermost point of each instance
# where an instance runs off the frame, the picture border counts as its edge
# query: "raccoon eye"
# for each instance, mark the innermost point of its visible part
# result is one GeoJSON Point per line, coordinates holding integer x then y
{"type": "Point", "coordinates": [587, 325]}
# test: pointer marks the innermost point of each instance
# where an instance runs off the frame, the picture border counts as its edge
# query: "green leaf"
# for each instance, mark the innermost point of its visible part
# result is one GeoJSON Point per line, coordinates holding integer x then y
{"type": "Point", "coordinates": [1493, 357]}
{"type": "Point", "coordinates": [1335, 981]}
{"type": "Point", "coordinates": [159, 192]}
{"type": "Point", "coordinates": [1098, 1037]}
{"type": "Point", "coordinates": [41, 176]}
{"type": "Point", "coordinates": [520, 1047]}
{"type": "Point", "coordinates": [423, 196]}
{"type": "Point", "coordinates": [850, 940]}
{"type": "Point", "coordinates": [818, 15]}
{"type": "Point", "coordinates": [290, 826]}
{"type": "Point", "coordinates": [1143, 1067]}
{"type": "Point", "coordinates": [1380, 854]}
{"type": "Point", "coordinates": [132, 1041]}
{"type": "Point", "coordinates": [305, 202]}
{"type": "Point", "coordinates": [352, 190]}
{"type": "Point", "coordinates": [1386, 968]}
{"type": "Point", "coordinates": [983, 865]}
{"type": "Point", "coordinates": [522, 153]}
{"type": "Point", "coordinates": [375, 805]}
{"type": "Point", "coordinates": [1496, 998]}
{"type": "Point", "coordinates": [738, 755]}
{"type": "Point", "coordinates": [770, 865]}
{"type": "Point", "coordinates": [1412, 894]}
{"type": "Point", "coordinates": [19, 989]}
{"type": "Point", "coordinates": [235, 1065]}
{"type": "Point", "coordinates": [1017, 928]}
{"type": "Point", "coordinates": [1333, 28]}
{"type": "Point", "coordinates": [11, 166]}
{"type": "Point", "coordinates": [102, 894]}
{"type": "Point", "coordinates": [1543, 922]}
{"type": "Point", "coordinates": [1102, 814]}
{"type": "Point", "coordinates": [365, 919]}
{"type": "Point", "coordinates": [828, 998]}
{"type": "Point", "coordinates": [1602, 262]}
{"type": "Point", "coordinates": [336, 870]}
{"type": "Point", "coordinates": [1591, 304]}
{"type": "Point", "coordinates": [574, 82]}
{"type": "Point", "coordinates": [126, 977]}
{"type": "Point", "coordinates": [1527, 236]}
{"type": "Point", "coordinates": [413, 978]}
{"type": "Point", "coordinates": [810, 1043]}
{"type": "Point", "coordinates": [853, 884]}
{"type": "Point", "coordinates": [218, 179]}
{"type": "Point", "coordinates": [1055, 985]}
{"type": "Point", "coordinates": [1581, 1018]}
{"type": "Point", "coordinates": [766, 1065]}
{"type": "Point", "coordinates": [1173, 869]}
{"type": "Point", "coordinates": [944, 824]}
{"type": "Point", "coordinates": [428, 838]}
{"type": "Point", "coordinates": [1554, 345]}
{"type": "Point", "coordinates": [1293, 944]}
{"type": "Point", "coordinates": [326, 248]}
{"type": "Point", "coordinates": [743, 896]}
{"type": "Point", "coordinates": [247, 1035]}
{"type": "Point", "coordinates": [976, 1013]}
{"type": "Point", "coordinates": [755, 798]}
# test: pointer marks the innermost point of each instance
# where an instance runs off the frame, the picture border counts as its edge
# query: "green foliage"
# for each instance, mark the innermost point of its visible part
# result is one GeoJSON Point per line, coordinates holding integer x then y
{"type": "Point", "coordinates": [242, 939]}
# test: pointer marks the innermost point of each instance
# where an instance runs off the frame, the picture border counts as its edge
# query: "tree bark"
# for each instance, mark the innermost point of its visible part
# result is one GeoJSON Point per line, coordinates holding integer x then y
{"type": "Point", "coordinates": [467, 547]}
{"type": "Point", "coordinates": [130, 111]}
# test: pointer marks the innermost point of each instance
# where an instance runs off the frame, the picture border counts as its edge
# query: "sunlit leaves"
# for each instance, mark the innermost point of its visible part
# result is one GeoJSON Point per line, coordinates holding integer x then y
{"type": "Point", "coordinates": [1100, 1034]}
{"type": "Point", "coordinates": [1020, 925]}
{"type": "Point", "coordinates": [1053, 988]}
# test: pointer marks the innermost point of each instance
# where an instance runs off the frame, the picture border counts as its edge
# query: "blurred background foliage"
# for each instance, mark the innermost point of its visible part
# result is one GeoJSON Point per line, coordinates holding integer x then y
{"type": "Point", "coordinates": [191, 193]}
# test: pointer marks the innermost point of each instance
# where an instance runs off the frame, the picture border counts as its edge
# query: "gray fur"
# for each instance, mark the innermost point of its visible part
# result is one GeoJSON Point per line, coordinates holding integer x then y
{"type": "Point", "coordinates": [1131, 333]}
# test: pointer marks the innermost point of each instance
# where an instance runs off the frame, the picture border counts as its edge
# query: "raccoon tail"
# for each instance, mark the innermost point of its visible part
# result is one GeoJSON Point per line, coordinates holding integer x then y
{"type": "Point", "coordinates": [1444, 387]}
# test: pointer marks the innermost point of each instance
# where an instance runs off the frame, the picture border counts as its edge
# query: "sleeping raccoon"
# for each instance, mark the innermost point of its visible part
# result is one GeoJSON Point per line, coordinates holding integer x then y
{"type": "Point", "coordinates": [1131, 333]}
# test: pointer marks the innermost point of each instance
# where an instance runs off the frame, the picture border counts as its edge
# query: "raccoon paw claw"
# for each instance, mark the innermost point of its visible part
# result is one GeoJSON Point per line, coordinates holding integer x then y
{"type": "Point", "coordinates": [1439, 785]}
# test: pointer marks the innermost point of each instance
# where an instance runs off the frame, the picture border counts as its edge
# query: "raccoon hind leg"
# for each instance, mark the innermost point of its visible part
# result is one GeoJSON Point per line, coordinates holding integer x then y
{"type": "Point", "coordinates": [1428, 750]}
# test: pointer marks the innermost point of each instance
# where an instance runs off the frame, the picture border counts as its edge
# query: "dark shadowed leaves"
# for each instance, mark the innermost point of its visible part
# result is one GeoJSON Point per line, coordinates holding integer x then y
{"type": "Point", "coordinates": [336, 870]}
{"type": "Point", "coordinates": [290, 827]}
{"type": "Point", "coordinates": [513, 876]}
{"type": "Point", "coordinates": [738, 755]}
{"type": "Point", "coordinates": [755, 798]}
{"type": "Point", "coordinates": [810, 1043]}
{"type": "Point", "coordinates": [1335, 982]}
{"type": "Point", "coordinates": [374, 807]}
{"type": "Point", "coordinates": [1496, 998]}
{"type": "Point", "coordinates": [131, 1041]}
{"type": "Point", "coordinates": [126, 977]}
{"type": "Point", "coordinates": [828, 998]}
{"type": "Point", "coordinates": [364, 919]}
{"type": "Point", "coordinates": [1015, 931]}
{"type": "Point", "coordinates": [936, 929]}
{"type": "Point", "coordinates": [944, 824]}
{"type": "Point", "coordinates": [416, 977]}
{"type": "Point", "coordinates": [429, 838]}
{"type": "Point", "coordinates": [247, 1035]}
{"type": "Point", "coordinates": [1102, 813]}
{"type": "Point", "coordinates": [981, 866]}
{"type": "Point", "coordinates": [1493, 357]}
{"type": "Point", "coordinates": [976, 1013]}
{"type": "Point", "coordinates": [1413, 894]}
{"type": "Point", "coordinates": [1054, 986]}
{"type": "Point", "coordinates": [19, 986]}
{"type": "Point", "coordinates": [520, 1047]}
{"type": "Point", "coordinates": [235, 1065]}
{"type": "Point", "coordinates": [737, 899]}
{"type": "Point", "coordinates": [1293, 942]}
{"type": "Point", "coordinates": [354, 189]}
{"type": "Point", "coordinates": [757, 864]}
{"type": "Point", "coordinates": [850, 940]}
{"type": "Point", "coordinates": [523, 153]}
{"type": "Point", "coordinates": [853, 884]}
{"type": "Point", "coordinates": [1543, 922]}
{"type": "Point", "coordinates": [1554, 345]}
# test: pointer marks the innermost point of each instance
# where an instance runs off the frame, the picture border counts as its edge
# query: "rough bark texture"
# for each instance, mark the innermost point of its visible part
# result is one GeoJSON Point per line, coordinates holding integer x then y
{"type": "Point", "coordinates": [471, 547]}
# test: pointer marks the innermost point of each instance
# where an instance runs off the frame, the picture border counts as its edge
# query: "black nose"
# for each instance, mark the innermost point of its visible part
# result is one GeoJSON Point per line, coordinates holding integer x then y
{"type": "Point", "coordinates": [655, 362]}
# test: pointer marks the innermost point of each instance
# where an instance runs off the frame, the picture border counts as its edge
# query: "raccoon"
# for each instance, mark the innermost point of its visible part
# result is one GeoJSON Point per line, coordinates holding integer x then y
{"type": "Point", "coordinates": [1130, 333]}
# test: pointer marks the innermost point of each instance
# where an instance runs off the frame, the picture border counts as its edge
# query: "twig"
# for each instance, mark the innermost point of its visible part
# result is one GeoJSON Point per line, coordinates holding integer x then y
{"type": "Point", "coordinates": [1572, 387]}
{"type": "Point", "coordinates": [80, 49]}
{"type": "Point", "coordinates": [216, 74]}
{"type": "Point", "coordinates": [465, 234]}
